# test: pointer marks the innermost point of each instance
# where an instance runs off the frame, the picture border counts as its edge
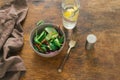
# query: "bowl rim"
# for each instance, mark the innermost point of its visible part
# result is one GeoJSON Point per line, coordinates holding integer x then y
{"type": "Point", "coordinates": [52, 54]}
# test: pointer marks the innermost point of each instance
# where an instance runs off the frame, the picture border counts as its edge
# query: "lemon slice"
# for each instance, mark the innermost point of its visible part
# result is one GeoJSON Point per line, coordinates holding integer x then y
{"type": "Point", "coordinates": [70, 14]}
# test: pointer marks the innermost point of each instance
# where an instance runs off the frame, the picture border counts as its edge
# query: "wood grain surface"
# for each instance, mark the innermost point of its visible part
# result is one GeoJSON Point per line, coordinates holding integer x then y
{"type": "Point", "coordinates": [99, 17]}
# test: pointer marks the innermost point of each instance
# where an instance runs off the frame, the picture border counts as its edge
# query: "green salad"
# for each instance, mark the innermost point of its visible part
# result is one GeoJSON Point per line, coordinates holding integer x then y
{"type": "Point", "coordinates": [48, 40]}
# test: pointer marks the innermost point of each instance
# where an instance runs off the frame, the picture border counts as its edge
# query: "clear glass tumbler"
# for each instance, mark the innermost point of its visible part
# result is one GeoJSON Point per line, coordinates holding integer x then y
{"type": "Point", "coordinates": [70, 12]}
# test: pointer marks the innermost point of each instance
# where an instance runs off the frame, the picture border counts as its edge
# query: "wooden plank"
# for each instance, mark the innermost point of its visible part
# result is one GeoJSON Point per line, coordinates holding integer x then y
{"type": "Point", "coordinates": [100, 17]}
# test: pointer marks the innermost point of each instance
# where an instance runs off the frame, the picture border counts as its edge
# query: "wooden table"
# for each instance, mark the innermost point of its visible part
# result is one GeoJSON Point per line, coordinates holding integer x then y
{"type": "Point", "coordinates": [99, 17]}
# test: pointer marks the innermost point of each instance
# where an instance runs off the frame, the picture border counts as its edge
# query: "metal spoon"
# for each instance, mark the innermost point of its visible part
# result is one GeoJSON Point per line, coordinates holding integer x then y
{"type": "Point", "coordinates": [71, 45]}
{"type": "Point", "coordinates": [73, 14]}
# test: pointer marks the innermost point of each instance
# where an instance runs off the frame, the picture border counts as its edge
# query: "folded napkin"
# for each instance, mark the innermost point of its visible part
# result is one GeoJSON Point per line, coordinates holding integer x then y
{"type": "Point", "coordinates": [11, 39]}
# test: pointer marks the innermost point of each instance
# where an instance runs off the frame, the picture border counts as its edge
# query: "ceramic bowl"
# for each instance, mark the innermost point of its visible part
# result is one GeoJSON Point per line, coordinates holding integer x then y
{"type": "Point", "coordinates": [40, 29]}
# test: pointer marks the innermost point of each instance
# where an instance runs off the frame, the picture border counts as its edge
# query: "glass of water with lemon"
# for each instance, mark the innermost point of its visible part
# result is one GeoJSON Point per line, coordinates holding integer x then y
{"type": "Point", "coordinates": [70, 12]}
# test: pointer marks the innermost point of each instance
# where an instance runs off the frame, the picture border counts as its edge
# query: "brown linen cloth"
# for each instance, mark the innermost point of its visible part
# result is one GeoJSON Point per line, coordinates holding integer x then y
{"type": "Point", "coordinates": [11, 39]}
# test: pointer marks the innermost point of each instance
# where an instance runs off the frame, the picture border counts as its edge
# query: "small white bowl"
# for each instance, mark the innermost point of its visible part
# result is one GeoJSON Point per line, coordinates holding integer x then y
{"type": "Point", "coordinates": [40, 29]}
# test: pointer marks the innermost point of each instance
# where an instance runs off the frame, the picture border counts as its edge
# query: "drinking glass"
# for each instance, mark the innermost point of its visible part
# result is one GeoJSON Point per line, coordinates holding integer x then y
{"type": "Point", "coordinates": [70, 12]}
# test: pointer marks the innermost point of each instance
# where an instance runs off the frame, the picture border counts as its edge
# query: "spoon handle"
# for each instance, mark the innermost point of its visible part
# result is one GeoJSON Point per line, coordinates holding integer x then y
{"type": "Point", "coordinates": [68, 51]}
{"type": "Point", "coordinates": [63, 63]}
{"type": "Point", "coordinates": [64, 60]}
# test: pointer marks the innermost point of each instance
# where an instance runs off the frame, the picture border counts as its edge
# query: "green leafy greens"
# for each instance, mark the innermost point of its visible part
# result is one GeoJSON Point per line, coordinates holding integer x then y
{"type": "Point", "coordinates": [48, 40]}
